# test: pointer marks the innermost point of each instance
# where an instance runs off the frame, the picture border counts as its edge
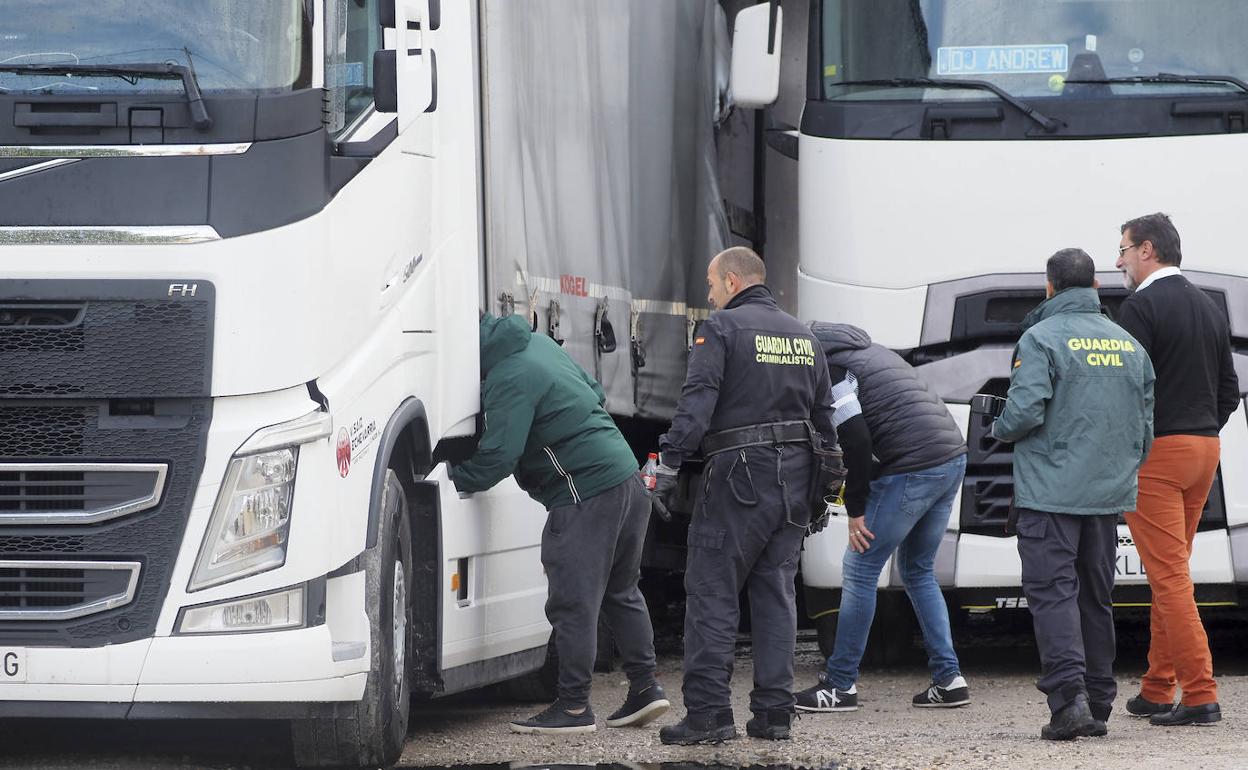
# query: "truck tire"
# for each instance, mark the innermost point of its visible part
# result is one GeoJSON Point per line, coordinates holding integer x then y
{"type": "Point", "coordinates": [371, 733]}
{"type": "Point", "coordinates": [891, 636]}
{"type": "Point", "coordinates": [540, 686]}
{"type": "Point", "coordinates": [825, 628]}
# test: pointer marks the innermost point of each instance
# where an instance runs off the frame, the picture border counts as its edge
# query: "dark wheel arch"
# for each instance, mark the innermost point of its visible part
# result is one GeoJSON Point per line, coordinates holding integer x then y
{"type": "Point", "coordinates": [405, 446]}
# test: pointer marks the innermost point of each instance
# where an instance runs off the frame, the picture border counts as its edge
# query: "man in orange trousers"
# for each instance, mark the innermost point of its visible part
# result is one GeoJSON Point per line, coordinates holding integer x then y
{"type": "Point", "coordinates": [1188, 338]}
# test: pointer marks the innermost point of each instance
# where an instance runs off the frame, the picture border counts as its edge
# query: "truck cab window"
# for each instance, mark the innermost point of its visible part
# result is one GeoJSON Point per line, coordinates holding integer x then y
{"type": "Point", "coordinates": [1028, 49]}
{"type": "Point", "coordinates": [231, 45]}
{"type": "Point", "coordinates": [362, 41]}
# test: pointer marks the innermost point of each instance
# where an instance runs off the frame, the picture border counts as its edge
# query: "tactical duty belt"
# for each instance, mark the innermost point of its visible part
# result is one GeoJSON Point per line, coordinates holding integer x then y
{"type": "Point", "coordinates": [763, 434]}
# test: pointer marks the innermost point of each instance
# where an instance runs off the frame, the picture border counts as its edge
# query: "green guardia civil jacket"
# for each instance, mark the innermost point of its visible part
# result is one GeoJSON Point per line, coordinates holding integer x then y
{"type": "Point", "coordinates": [1080, 409]}
{"type": "Point", "coordinates": [544, 421]}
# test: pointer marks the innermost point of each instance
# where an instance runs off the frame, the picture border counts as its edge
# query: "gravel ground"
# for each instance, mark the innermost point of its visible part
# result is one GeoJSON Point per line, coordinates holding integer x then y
{"type": "Point", "coordinates": [999, 730]}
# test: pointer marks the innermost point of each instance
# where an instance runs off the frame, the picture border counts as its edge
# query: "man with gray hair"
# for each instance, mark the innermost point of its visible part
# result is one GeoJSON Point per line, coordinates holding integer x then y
{"type": "Point", "coordinates": [1188, 340]}
{"type": "Point", "coordinates": [1080, 411]}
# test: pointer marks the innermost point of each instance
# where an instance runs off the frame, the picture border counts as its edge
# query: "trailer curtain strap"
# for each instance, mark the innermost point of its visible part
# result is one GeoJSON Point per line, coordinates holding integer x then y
{"type": "Point", "coordinates": [555, 286]}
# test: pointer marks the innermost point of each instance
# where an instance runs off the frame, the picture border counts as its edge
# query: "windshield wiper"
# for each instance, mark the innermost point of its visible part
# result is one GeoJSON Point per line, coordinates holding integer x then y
{"type": "Point", "coordinates": [164, 70]}
{"type": "Point", "coordinates": [1167, 77]}
{"type": "Point", "coordinates": [1048, 124]}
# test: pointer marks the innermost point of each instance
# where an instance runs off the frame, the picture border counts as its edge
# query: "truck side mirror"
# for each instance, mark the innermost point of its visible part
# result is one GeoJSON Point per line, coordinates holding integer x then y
{"type": "Point", "coordinates": [386, 81]}
{"type": "Point", "coordinates": [756, 39]}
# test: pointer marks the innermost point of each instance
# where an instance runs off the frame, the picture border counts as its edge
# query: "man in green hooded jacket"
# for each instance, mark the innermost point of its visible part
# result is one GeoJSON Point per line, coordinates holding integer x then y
{"type": "Point", "coordinates": [545, 423]}
{"type": "Point", "coordinates": [1080, 411]}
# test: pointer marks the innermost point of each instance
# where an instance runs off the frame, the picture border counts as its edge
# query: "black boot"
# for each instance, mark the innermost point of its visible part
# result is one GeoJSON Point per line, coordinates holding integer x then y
{"type": "Point", "coordinates": [769, 725]}
{"type": "Point", "coordinates": [1100, 713]}
{"type": "Point", "coordinates": [700, 728]}
{"type": "Point", "coordinates": [1139, 706]}
{"type": "Point", "coordinates": [1073, 721]}
{"type": "Point", "coordinates": [1188, 715]}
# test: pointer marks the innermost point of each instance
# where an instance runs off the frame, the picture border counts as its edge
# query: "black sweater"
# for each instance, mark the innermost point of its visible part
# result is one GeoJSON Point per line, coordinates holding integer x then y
{"type": "Point", "coordinates": [1188, 339]}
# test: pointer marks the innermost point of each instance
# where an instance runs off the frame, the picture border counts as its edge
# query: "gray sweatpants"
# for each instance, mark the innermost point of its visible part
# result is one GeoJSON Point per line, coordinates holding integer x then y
{"type": "Point", "coordinates": [1068, 573]}
{"type": "Point", "coordinates": [592, 555]}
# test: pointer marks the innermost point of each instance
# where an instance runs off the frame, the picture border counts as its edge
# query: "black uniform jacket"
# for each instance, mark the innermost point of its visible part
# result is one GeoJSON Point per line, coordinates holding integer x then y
{"type": "Point", "coordinates": [751, 363]}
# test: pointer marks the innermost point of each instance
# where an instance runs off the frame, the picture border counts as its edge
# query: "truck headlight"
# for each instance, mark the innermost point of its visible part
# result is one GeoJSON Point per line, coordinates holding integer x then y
{"type": "Point", "coordinates": [274, 611]}
{"type": "Point", "coordinates": [251, 520]}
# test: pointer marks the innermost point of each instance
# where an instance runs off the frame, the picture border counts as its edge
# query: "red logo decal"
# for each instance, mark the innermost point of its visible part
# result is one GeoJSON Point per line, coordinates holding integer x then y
{"type": "Point", "coordinates": [344, 453]}
{"type": "Point", "coordinates": [573, 284]}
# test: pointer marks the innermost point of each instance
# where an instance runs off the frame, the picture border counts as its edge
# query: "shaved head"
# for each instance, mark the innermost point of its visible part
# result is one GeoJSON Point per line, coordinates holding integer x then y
{"type": "Point", "coordinates": [731, 272]}
{"type": "Point", "coordinates": [743, 262]}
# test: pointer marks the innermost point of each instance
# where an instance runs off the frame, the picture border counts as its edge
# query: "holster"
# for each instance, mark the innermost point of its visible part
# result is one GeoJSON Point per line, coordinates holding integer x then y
{"type": "Point", "coordinates": [828, 475]}
{"type": "Point", "coordinates": [1011, 519]}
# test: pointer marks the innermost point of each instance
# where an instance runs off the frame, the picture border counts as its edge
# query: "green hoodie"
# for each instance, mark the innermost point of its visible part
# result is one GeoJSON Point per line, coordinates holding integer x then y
{"type": "Point", "coordinates": [1080, 409]}
{"type": "Point", "coordinates": [544, 421]}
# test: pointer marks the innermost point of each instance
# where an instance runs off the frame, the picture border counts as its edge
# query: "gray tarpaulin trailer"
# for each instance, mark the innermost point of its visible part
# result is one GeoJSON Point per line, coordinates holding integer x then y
{"type": "Point", "coordinates": [603, 204]}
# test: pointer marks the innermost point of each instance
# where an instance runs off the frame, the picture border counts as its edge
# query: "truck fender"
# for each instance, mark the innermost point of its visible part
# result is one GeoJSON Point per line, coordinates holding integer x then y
{"type": "Point", "coordinates": [410, 424]}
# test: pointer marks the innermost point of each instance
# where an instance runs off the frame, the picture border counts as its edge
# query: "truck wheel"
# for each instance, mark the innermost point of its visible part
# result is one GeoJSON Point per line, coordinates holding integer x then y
{"type": "Point", "coordinates": [825, 628]}
{"type": "Point", "coordinates": [892, 633]}
{"type": "Point", "coordinates": [540, 686]}
{"type": "Point", "coordinates": [372, 732]}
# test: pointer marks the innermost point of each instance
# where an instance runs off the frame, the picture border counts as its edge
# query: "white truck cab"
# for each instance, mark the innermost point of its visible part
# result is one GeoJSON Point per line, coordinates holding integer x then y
{"type": "Point", "coordinates": [242, 252]}
{"type": "Point", "coordinates": [945, 151]}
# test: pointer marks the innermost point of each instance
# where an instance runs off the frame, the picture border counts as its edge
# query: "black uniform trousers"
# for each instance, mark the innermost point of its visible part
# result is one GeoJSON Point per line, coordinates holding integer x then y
{"type": "Point", "coordinates": [746, 531]}
{"type": "Point", "coordinates": [1068, 573]}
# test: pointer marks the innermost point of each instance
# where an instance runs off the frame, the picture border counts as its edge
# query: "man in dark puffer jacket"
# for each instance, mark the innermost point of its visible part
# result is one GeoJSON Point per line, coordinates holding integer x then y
{"type": "Point", "coordinates": [883, 408]}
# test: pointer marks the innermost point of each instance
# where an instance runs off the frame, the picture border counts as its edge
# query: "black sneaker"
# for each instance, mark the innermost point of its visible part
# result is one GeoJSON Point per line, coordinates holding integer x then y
{"type": "Point", "coordinates": [695, 729]}
{"type": "Point", "coordinates": [641, 708]}
{"type": "Point", "coordinates": [949, 695]}
{"type": "Point", "coordinates": [1203, 715]}
{"type": "Point", "coordinates": [770, 725]}
{"type": "Point", "coordinates": [1073, 721]}
{"type": "Point", "coordinates": [1139, 706]}
{"type": "Point", "coordinates": [557, 720]}
{"type": "Point", "coordinates": [821, 698]}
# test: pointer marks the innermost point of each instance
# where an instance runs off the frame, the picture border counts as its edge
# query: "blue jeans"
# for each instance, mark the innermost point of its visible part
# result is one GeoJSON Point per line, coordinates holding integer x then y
{"type": "Point", "coordinates": [907, 513]}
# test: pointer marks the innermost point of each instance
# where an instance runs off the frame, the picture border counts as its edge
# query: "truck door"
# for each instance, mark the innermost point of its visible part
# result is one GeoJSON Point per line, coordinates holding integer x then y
{"type": "Point", "coordinates": [492, 583]}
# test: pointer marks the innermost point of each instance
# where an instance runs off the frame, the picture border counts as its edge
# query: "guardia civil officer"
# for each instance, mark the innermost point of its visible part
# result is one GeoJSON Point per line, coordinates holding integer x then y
{"type": "Point", "coordinates": [756, 382]}
{"type": "Point", "coordinates": [1080, 411]}
{"type": "Point", "coordinates": [544, 422]}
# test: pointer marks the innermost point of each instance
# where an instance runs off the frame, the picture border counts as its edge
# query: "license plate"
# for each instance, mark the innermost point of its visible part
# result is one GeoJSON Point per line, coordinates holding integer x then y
{"type": "Point", "coordinates": [1127, 566]}
{"type": "Point", "coordinates": [12, 665]}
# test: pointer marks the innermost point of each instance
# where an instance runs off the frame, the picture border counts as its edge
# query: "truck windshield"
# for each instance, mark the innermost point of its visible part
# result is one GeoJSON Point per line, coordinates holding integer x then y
{"type": "Point", "coordinates": [232, 45]}
{"type": "Point", "coordinates": [1029, 48]}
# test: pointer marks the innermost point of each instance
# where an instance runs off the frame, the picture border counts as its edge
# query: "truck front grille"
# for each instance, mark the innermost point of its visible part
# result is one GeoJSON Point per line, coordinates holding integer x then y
{"type": "Point", "coordinates": [64, 590]}
{"type": "Point", "coordinates": [77, 493]}
{"type": "Point", "coordinates": [105, 405]}
{"type": "Point", "coordinates": [48, 430]}
{"type": "Point", "coordinates": [988, 488]}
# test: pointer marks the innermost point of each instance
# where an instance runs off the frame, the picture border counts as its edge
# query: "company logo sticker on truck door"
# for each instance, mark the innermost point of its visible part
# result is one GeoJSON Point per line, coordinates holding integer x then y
{"type": "Point", "coordinates": [344, 453]}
